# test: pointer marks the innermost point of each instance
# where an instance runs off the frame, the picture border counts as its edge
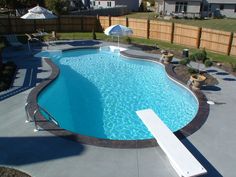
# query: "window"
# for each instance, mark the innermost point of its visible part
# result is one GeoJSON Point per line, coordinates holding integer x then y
{"type": "Point", "coordinates": [221, 6]}
{"type": "Point", "coordinates": [181, 7]}
{"type": "Point", "coordinates": [109, 3]}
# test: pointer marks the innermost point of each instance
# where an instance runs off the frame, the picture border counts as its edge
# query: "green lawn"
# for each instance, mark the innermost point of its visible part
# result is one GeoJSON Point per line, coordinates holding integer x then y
{"type": "Point", "coordinates": [161, 44]}
{"type": "Point", "coordinates": [219, 24]}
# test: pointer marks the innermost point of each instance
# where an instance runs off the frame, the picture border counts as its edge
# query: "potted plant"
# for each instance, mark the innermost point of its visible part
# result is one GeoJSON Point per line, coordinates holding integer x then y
{"type": "Point", "coordinates": [166, 56]}
{"type": "Point", "coordinates": [197, 78]}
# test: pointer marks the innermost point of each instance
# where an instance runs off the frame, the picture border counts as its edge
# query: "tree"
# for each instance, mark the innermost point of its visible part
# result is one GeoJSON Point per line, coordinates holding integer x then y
{"type": "Point", "coordinates": [14, 4]}
{"type": "Point", "coordinates": [57, 6]}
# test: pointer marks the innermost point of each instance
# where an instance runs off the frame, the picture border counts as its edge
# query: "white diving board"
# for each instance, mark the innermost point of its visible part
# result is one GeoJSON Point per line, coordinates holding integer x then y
{"type": "Point", "coordinates": [184, 163]}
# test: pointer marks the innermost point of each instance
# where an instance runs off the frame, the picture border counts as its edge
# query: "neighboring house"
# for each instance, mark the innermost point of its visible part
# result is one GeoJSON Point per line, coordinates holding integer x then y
{"type": "Point", "coordinates": [132, 5]}
{"type": "Point", "coordinates": [221, 7]}
{"type": "Point", "coordinates": [178, 6]}
{"type": "Point", "coordinates": [203, 7]}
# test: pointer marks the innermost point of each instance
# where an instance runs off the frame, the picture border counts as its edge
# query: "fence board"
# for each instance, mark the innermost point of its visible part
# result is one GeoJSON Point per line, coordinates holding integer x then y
{"type": "Point", "coordinates": [215, 40]}
{"type": "Point", "coordinates": [233, 47]}
{"type": "Point", "coordinates": [186, 35]}
{"type": "Point", "coordinates": [139, 27]}
{"type": "Point", "coordinates": [118, 20]}
{"type": "Point", "coordinates": [104, 22]}
{"type": "Point", "coordinates": [160, 30]}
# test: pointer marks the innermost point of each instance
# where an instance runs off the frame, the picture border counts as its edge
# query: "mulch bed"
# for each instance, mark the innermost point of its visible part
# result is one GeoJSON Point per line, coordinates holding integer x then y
{"type": "Point", "coordinates": [178, 54]}
{"type": "Point", "coordinates": [10, 172]}
{"type": "Point", "coordinates": [182, 71]}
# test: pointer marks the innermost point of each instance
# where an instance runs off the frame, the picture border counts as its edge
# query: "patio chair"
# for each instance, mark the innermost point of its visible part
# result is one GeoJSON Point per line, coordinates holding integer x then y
{"type": "Point", "coordinates": [13, 41]}
{"type": "Point", "coordinates": [54, 36]}
{"type": "Point", "coordinates": [31, 40]}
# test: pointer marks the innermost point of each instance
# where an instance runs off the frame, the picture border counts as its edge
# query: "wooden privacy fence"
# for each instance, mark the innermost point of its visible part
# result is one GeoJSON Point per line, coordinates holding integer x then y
{"type": "Point", "coordinates": [186, 35]}
{"type": "Point", "coordinates": [214, 40]}
{"type": "Point", "coordinates": [160, 30]}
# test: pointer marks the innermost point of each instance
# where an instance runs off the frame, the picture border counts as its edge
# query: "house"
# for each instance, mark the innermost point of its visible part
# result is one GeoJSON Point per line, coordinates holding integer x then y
{"type": "Point", "coordinates": [132, 5]}
{"type": "Point", "coordinates": [218, 7]}
{"type": "Point", "coordinates": [202, 7]}
{"type": "Point", "coordinates": [167, 7]}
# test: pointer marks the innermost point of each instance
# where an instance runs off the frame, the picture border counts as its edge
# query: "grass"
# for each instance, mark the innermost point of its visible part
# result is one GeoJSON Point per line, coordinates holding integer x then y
{"type": "Point", "coordinates": [163, 45]}
{"type": "Point", "coordinates": [218, 24]}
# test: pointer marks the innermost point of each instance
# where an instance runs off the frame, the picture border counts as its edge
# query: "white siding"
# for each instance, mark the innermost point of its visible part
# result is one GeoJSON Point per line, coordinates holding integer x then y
{"type": "Point", "coordinates": [192, 7]}
{"type": "Point", "coordinates": [103, 4]}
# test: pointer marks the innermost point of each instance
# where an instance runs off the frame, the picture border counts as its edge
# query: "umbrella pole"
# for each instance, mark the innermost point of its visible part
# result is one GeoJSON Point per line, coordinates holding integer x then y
{"type": "Point", "coordinates": [118, 42]}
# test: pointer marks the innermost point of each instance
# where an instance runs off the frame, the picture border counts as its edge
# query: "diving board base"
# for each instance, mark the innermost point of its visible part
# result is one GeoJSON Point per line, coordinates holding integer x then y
{"type": "Point", "coordinates": [184, 163]}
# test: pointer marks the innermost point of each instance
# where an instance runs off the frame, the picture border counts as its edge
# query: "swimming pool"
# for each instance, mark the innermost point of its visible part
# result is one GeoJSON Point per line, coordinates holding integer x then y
{"type": "Point", "coordinates": [98, 92]}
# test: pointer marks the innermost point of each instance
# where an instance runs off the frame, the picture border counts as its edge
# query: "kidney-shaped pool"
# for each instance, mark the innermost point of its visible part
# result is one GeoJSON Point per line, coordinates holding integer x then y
{"type": "Point", "coordinates": [98, 92]}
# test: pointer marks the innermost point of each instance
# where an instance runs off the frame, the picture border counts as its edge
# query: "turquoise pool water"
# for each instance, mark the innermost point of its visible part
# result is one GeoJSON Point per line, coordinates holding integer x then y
{"type": "Point", "coordinates": [98, 92]}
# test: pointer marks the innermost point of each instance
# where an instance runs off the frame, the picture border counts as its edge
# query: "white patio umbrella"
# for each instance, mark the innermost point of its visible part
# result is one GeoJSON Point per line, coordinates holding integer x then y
{"type": "Point", "coordinates": [118, 31]}
{"type": "Point", "coordinates": [39, 13]}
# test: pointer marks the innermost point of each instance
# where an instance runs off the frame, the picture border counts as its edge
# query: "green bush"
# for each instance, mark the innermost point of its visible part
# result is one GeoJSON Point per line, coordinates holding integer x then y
{"type": "Point", "coordinates": [10, 63]}
{"type": "Point", "coordinates": [192, 71]}
{"type": "Point", "coordinates": [128, 40]}
{"type": "Point", "coordinates": [3, 86]}
{"type": "Point", "coordinates": [94, 36]}
{"type": "Point", "coordinates": [199, 56]}
{"type": "Point", "coordinates": [185, 61]}
{"type": "Point", "coordinates": [208, 63]}
{"type": "Point", "coordinates": [6, 75]}
{"type": "Point", "coordinates": [233, 67]}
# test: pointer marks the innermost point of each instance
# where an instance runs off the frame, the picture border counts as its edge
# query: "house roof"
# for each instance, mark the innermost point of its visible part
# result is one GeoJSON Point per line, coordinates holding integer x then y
{"type": "Point", "coordinates": [221, 2]}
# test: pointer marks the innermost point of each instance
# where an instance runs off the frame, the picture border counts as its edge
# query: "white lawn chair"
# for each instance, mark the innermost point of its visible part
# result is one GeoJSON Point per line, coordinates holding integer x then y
{"type": "Point", "coordinates": [31, 39]}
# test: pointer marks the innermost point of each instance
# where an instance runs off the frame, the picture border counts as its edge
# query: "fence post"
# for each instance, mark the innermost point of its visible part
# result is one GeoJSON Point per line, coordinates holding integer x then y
{"type": "Point", "coordinates": [126, 21]}
{"type": "Point", "coordinates": [97, 23]}
{"type": "Point", "coordinates": [148, 28]}
{"type": "Point", "coordinates": [230, 43]}
{"type": "Point", "coordinates": [109, 20]}
{"type": "Point", "coordinates": [199, 37]}
{"type": "Point", "coordinates": [172, 32]}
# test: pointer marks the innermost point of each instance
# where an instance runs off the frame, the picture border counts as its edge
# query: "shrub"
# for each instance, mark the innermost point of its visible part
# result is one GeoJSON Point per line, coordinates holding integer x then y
{"type": "Point", "coordinates": [185, 61]}
{"type": "Point", "coordinates": [3, 86]}
{"type": "Point", "coordinates": [233, 67]}
{"type": "Point", "coordinates": [94, 36]}
{"type": "Point", "coordinates": [208, 63]}
{"type": "Point", "coordinates": [192, 71]}
{"type": "Point", "coordinates": [199, 56]}
{"type": "Point", "coordinates": [10, 63]}
{"type": "Point", "coordinates": [128, 40]}
{"type": "Point", "coordinates": [7, 73]}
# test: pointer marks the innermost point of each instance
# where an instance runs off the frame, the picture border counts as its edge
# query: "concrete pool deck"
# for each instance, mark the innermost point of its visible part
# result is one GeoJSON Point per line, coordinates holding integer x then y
{"type": "Point", "coordinates": [43, 154]}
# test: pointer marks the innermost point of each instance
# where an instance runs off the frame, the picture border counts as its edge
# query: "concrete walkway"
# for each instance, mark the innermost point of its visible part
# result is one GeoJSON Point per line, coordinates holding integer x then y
{"type": "Point", "coordinates": [42, 154]}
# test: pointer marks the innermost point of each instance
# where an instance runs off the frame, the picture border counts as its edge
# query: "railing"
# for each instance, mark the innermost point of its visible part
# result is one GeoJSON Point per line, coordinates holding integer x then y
{"type": "Point", "coordinates": [27, 113]}
{"type": "Point", "coordinates": [50, 117]}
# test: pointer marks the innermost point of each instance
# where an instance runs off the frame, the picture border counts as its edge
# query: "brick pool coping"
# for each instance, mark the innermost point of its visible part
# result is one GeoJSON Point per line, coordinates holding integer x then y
{"type": "Point", "coordinates": [189, 129]}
